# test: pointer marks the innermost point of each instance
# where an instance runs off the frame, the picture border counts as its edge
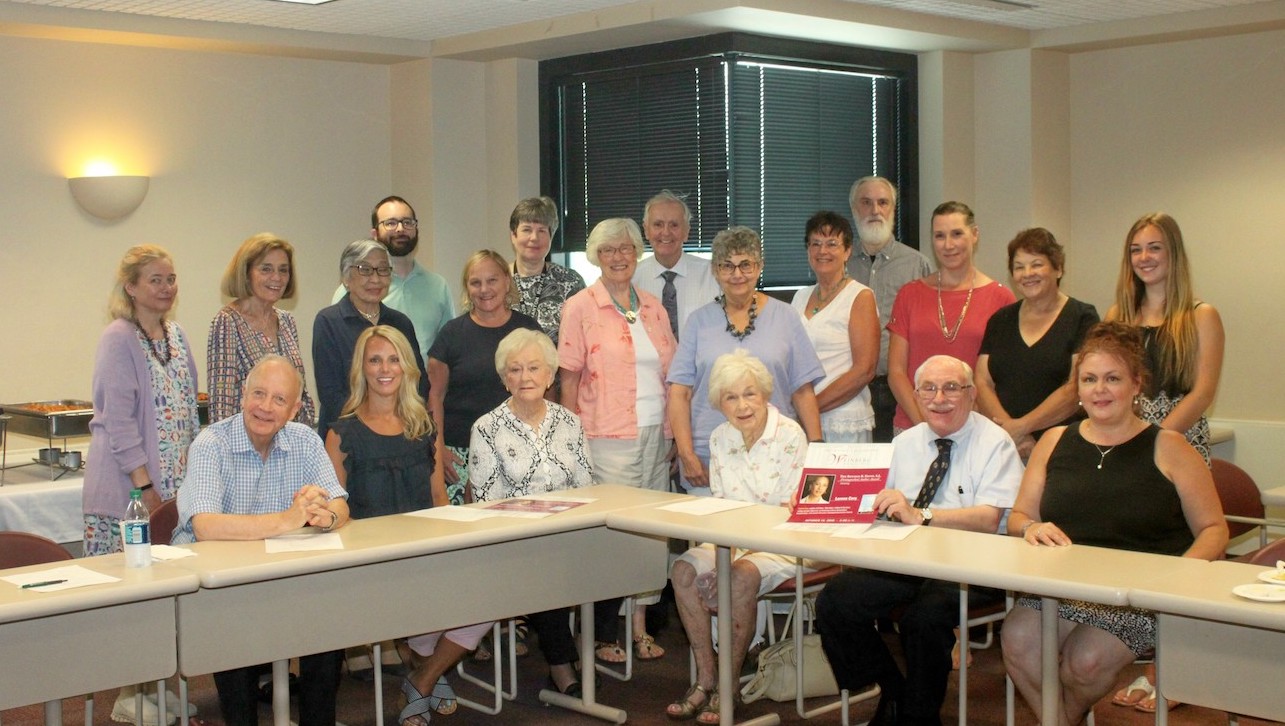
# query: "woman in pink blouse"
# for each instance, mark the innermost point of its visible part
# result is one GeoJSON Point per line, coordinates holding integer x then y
{"type": "Point", "coordinates": [251, 326]}
{"type": "Point", "coordinates": [614, 353]}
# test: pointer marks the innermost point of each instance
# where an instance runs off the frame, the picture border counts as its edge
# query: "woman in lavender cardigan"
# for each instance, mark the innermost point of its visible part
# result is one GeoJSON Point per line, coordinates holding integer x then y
{"type": "Point", "coordinates": [145, 415]}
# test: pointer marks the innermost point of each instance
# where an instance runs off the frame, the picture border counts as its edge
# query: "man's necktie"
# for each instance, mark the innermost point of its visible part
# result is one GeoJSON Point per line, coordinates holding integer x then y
{"type": "Point", "coordinates": [936, 474]}
{"type": "Point", "coordinates": [669, 299]}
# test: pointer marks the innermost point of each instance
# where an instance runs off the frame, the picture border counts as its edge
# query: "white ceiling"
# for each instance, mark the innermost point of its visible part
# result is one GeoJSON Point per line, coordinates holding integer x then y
{"type": "Point", "coordinates": [427, 20]}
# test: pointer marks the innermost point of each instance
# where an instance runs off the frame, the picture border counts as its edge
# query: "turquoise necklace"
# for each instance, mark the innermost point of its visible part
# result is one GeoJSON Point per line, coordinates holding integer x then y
{"type": "Point", "coordinates": [631, 315]}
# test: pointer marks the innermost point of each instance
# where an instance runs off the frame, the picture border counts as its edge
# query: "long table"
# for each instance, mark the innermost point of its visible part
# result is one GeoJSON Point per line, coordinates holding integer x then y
{"type": "Point", "coordinates": [1214, 648]}
{"type": "Point", "coordinates": [30, 502]}
{"type": "Point", "coordinates": [71, 642]}
{"type": "Point", "coordinates": [1053, 573]}
{"type": "Point", "coordinates": [403, 575]}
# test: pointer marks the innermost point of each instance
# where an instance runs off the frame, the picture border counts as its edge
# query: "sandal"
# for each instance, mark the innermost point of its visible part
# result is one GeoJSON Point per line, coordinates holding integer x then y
{"type": "Point", "coordinates": [686, 708]}
{"type": "Point", "coordinates": [1148, 704]}
{"type": "Point", "coordinates": [609, 652]}
{"type": "Point", "coordinates": [441, 700]}
{"type": "Point", "coordinates": [645, 648]}
{"type": "Point", "coordinates": [1124, 696]}
{"type": "Point", "coordinates": [709, 712]}
{"type": "Point", "coordinates": [520, 631]}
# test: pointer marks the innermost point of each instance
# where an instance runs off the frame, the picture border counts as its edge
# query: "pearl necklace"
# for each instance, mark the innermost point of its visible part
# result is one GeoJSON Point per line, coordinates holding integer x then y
{"type": "Point", "coordinates": [1102, 455]}
{"type": "Point", "coordinates": [947, 333]}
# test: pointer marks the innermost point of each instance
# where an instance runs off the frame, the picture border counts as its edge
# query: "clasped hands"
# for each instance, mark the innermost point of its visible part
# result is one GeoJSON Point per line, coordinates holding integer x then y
{"type": "Point", "coordinates": [309, 507]}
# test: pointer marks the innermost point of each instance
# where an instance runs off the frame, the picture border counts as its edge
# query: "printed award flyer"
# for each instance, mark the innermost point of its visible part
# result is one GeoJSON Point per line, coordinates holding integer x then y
{"type": "Point", "coordinates": [840, 481]}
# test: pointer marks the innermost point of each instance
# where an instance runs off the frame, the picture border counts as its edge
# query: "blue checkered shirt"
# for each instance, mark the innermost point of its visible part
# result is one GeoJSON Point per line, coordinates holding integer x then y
{"type": "Point", "coordinates": [225, 475]}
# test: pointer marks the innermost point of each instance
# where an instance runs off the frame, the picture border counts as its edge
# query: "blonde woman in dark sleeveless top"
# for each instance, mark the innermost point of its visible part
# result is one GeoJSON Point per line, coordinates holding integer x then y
{"type": "Point", "coordinates": [1183, 336]}
{"type": "Point", "coordinates": [1112, 480]}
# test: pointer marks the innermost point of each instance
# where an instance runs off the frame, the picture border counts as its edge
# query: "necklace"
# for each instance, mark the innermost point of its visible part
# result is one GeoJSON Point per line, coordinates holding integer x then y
{"type": "Point", "coordinates": [822, 300]}
{"type": "Point", "coordinates": [951, 334]}
{"type": "Point", "coordinates": [150, 344]}
{"type": "Point", "coordinates": [749, 328]}
{"type": "Point", "coordinates": [372, 317]}
{"type": "Point", "coordinates": [1102, 455]}
{"type": "Point", "coordinates": [631, 315]}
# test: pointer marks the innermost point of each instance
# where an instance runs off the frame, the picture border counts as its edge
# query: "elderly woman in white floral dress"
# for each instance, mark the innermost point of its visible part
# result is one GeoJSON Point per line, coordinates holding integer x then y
{"type": "Point", "coordinates": [755, 456]}
{"type": "Point", "coordinates": [530, 445]}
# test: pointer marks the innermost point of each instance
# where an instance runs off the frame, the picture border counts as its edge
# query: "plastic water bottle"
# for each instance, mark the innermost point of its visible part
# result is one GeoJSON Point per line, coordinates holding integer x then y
{"type": "Point", "coordinates": [134, 532]}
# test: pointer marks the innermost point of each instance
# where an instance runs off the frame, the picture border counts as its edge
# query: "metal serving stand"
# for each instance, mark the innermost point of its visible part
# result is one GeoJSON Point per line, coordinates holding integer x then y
{"type": "Point", "coordinates": [30, 420]}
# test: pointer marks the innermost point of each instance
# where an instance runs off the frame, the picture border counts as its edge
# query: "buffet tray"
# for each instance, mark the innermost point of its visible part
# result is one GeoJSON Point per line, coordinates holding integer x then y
{"type": "Point", "coordinates": [34, 419]}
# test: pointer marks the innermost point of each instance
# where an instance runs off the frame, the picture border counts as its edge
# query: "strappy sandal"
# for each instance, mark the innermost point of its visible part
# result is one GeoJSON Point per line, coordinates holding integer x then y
{"type": "Point", "coordinates": [645, 648]}
{"type": "Point", "coordinates": [609, 652]}
{"type": "Point", "coordinates": [441, 700]}
{"type": "Point", "coordinates": [684, 708]}
{"type": "Point", "coordinates": [709, 713]}
{"type": "Point", "coordinates": [1124, 697]}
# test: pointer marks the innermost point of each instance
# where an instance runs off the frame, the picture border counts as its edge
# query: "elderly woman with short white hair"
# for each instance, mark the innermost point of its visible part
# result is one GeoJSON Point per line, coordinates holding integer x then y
{"type": "Point", "coordinates": [614, 351]}
{"type": "Point", "coordinates": [529, 445]}
{"type": "Point", "coordinates": [756, 455]}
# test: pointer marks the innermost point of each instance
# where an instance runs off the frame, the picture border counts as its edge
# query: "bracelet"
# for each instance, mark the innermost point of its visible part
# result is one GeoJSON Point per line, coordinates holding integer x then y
{"type": "Point", "coordinates": [333, 519]}
{"type": "Point", "coordinates": [1028, 526]}
{"type": "Point", "coordinates": [145, 487]}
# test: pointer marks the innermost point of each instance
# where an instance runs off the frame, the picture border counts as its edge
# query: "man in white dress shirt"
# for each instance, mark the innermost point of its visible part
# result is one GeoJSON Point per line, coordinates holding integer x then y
{"type": "Point", "coordinates": [689, 279]}
{"type": "Point", "coordinates": [956, 469]}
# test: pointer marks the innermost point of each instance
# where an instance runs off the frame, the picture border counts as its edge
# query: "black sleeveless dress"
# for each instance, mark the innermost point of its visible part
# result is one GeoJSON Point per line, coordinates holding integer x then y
{"type": "Point", "coordinates": [386, 474]}
{"type": "Point", "coordinates": [1127, 504]}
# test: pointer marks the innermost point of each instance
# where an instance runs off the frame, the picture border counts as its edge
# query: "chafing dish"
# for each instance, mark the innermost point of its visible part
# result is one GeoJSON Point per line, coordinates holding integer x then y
{"type": "Point", "coordinates": [50, 419]}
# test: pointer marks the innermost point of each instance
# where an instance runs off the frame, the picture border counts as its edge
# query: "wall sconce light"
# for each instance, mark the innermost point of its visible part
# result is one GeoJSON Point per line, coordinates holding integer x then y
{"type": "Point", "coordinates": [109, 197]}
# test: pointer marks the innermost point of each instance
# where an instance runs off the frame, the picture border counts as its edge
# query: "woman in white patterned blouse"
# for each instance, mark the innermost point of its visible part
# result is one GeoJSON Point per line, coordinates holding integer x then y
{"type": "Point", "coordinates": [529, 445]}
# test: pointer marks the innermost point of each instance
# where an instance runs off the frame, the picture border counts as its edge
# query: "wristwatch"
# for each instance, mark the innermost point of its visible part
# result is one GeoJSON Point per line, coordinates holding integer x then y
{"type": "Point", "coordinates": [927, 514]}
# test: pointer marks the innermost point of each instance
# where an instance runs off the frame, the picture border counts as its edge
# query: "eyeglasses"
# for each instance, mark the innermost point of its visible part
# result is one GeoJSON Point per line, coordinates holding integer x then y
{"type": "Point", "coordinates": [367, 270]}
{"type": "Point", "coordinates": [746, 267]}
{"type": "Point", "coordinates": [952, 391]}
{"type": "Point", "coordinates": [623, 251]}
{"type": "Point", "coordinates": [392, 224]}
{"type": "Point", "coordinates": [829, 245]}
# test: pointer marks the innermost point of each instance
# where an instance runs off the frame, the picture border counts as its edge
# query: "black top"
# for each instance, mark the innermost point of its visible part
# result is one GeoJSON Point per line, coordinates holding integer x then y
{"type": "Point", "coordinates": [386, 474]}
{"type": "Point", "coordinates": [1128, 504]}
{"type": "Point", "coordinates": [1026, 375]}
{"type": "Point", "coordinates": [473, 387]}
{"type": "Point", "coordinates": [334, 340]}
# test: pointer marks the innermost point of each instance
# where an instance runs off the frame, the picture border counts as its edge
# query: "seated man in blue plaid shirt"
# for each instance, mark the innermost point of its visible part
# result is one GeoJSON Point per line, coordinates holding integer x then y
{"type": "Point", "coordinates": [256, 475]}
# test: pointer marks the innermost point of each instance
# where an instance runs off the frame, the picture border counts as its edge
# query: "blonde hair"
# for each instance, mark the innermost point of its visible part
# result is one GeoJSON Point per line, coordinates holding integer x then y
{"type": "Point", "coordinates": [511, 298]}
{"type": "Point", "coordinates": [119, 303]}
{"type": "Point", "coordinates": [730, 368]}
{"type": "Point", "coordinates": [236, 278]}
{"type": "Point", "coordinates": [409, 407]}
{"type": "Point", "coordinates": [1176, 340]}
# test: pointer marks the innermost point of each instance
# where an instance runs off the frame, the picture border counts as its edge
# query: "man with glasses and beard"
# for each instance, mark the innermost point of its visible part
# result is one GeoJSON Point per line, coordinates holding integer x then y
{"type": "Point", "coordinates": [883, 264]}
{"type": "Point", "coordinates": [417, 292]}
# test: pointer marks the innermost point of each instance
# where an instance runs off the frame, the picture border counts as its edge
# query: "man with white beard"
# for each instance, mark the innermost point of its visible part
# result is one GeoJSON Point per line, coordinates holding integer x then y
{"type": "Point", "coordinates": [883, 264]}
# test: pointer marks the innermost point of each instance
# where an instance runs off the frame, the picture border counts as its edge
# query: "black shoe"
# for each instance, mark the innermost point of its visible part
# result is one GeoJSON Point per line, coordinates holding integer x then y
{"type": "Point", "coordinates": [265, 690]}
{"type": "Point", "coordinates": [573, 689]}
{"type": "Point", "coordinates": [888, 712]}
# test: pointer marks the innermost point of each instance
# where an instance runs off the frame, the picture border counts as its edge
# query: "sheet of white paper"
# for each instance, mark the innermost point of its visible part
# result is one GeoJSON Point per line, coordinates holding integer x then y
{"type": "Point", "coordinates": [809, 527]}
{"type": "Point", "coordinates": [705, 505]}
{"type": "Point", "coordinates": [168, 552]}
{"type": "Point", "coordinates": [454, 514]}
{"type": "Point", "coordinates": [303, 543]}
{"type": "Point", "coordinates": [876, 530]}
{"type": "Point", "coordinates": [73, 576]}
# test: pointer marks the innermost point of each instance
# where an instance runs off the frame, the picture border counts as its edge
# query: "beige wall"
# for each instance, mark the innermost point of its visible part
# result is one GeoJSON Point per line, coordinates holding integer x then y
{"type": "Point", "coordinates": [1191, 128]}
{"type": "Point", "coordinates": [235, 144]}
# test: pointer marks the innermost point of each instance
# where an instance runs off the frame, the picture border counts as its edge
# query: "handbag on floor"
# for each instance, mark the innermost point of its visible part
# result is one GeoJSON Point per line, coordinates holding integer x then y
{"type": "Point", "coordinates": [776, 680]}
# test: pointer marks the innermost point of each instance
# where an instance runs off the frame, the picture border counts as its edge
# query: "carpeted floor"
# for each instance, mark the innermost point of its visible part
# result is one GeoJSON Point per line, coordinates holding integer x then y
{"type": "Point", "coordinates": [654, 685]}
